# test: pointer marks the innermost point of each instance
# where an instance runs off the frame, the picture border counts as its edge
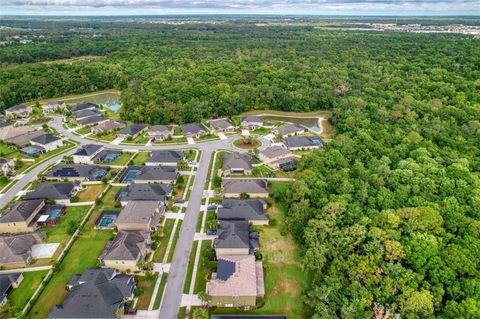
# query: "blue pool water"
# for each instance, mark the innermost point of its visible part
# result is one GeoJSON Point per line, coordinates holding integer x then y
{"type": "Point", "coordinates": [129, 176]}
{"type": "Point", "coordinates": [114, 107]}
{"type": "Point", "coordinates": [106, 221]}
{"type": "Point", "coordinates": [55, 214]}
{"type": "Point", "coordinates": [101, 174]}
{"type": "Point", "coordinates": [111, 158]}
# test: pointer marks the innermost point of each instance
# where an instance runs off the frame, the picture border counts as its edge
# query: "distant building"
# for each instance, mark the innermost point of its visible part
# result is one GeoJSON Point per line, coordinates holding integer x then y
{"type": "Point", "coordinates": [92, 120]}
{"type": "Point", "coordinates": [132, 130]}
{"type": "Point", "coordinates": [237, 283]}
{"type": "Point", "coordinates": [82, 114]}
{"type": "Point", "coordinates": [252, 122]}
{"type": "Point", "coordinates": [233, 188]}
{"type": "Point", "coordinates": [194, 130]}
{"type": "Point", "coordinates": [289, 130]}
{"type": "Point", "coordinates": [303, 142]}
{"type": "Point", "coordinates": [275, 156]}
{"type": "Point", "coordinates": [8, 131]}
{"type": "Point", "coordinates": [237, 163]}
{"type": "Point", "coordinates": [18, 111]}
{"type": "Point", "coordinates": [24, 139]}
{"type": "Point", "coordinates": [83, 106]}
{"type": "Point", "coordinates": [160, 132]}
{"type": "Point", "coordinates": [97, 293]}
{"type": "Point", "coordinates": [19, 217]}
{"type": "Point", "coordinates": [48, 141]}
{"type": "Point", "coordinates": [222, 125]}
{"type": "Point", "coordinates": [53, 106]}
{"type": "Point", "coordinates": [107, 126]}
{"type": "Point", "coordinates": [86, 153]}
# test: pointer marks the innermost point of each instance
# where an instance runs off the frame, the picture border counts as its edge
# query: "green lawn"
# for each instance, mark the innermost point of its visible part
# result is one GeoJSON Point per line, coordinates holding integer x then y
{"type": "Point", "coordinates": [174, 242]}
{"type": "Point", "coordinates": [163, 282]}
{"type": "Point", "coordinates": [208, 137]}
{"type": "Point", "coordinates": [205, 267]}
{"type": "Point", "coordinates": [3, 181]}
{"type": "Point", "coordinates": [110, 136]}
{"type": "Point", "coordinates": [9, 152]}
{"type": "Point", "coordinates": [165, 236]}
{"type": "Point", "coordinates": [260, 131]}
{"type": "Point", "coordinates": [20, 296]}
{"type": "Point", "coordinates": [59, 233]}
{"type": "Point", "coordinates": [146, 285]}
{"type": "Point", "coordinates": [261, 171]}
{"type": "Point", "coordinates": [191, 261]}
{"type": "Point", "coordinates": [108, 203]}
{"type": "Point", "coordinates": [190, 155]}
{"type": "Point", "coordinates": [140, 159]}
{"type": "Point", "coordinates": [172, 141]}
{"type": "Point", "coordinates": [66, 145]}
{"type": "Point", "coordinates": [83, 254]}
{"type": "Point", "coordinates": [122, 159]}
{"type": "Point", "coordinates": [83, 131]}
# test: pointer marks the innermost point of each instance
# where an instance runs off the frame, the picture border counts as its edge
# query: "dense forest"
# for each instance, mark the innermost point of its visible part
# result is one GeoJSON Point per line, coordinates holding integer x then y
{"type": "Point", "coordinates": [388, 213]}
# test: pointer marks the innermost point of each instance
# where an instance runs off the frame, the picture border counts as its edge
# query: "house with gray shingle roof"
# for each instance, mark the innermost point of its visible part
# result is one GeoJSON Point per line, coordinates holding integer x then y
{"type": "Point", "coordinates": [222, 125]}
{"type": "Point", "coordinates": [81, 173]}
{"type": "Point", "coordinates": [250, 210]}
{"type": "Point", "coordinates": [82, 114]}
{"type": "Point", "coordinates": [83, 106]}
{"type": "Point", "coordinates": [107, 126]}
{"type": "Point", "coordinates": [289, 130]}
{"type": "Point", "coordinates": [18, 111]}
{"type": "Point", "coordinates": [53, 106]}
{"type": "Point", "coordinates": [16, 250]}
{"type": "Point", "coordinates": [61, 193]}
{"type": "Point", "coordinates": [237, 163]}
{"type": "Point", "coordinates": [126, 250]}
{"type": "Point", "coordinates": [97, 293]}
{"type": "Point", "coordinates": [86, 153]}
{"type": "Point", "coordinates": [92, 120]}
{"type": "Point", "coordinates": [156, 174]}
{"type": "Point", "coordinates": [234, 187]}
{"type": "Point", "coordinates": [19, 217]}
{"type": "Point", "coordinates": [132, 130]}
{"type": "Point", "coordinates": [251, 122]}
{"type": "Point", "coordinates": [48, 141]}
{"type": "Point", "coordinates": [303, 142]}
{"type": "Point", "coordinates": [275, 156]}
{"type": "Point", "coordinates": [149, 192]}
{"type": "Point", "coordinates": [160, 132]}
{"type": "Point", "coordinates": [235, 237]}
{"type": "Point", "coordinates": [165, 158]}
{"type": "Point", "coordinates": [194, 130]}
{"type": "Point", "coordinates": [8, 282]}
{"type": "Point", "coordinates": [140, 215]}
{"type": "Point", "coordinates": [24, 139]}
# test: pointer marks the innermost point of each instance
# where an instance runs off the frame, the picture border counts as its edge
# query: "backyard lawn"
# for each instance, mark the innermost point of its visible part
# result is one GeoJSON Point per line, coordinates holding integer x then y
{"type": "Point", "coordinates": [83, 254]}
{"type": "Point", "coordinates": [122, 159]}
{"type": "Point", "coordinates": [82, 131]}
{"type": "Point", "coordinates": [20, 296]}
{"type": "Point", "coordinates": [90, 193]}
{"type": "Point", "coordinates": [140, 159]}
{"type": "Point", "coordinates": [61, 232]}
{"type": "Point", "coordinates": [108, 203]}
{"type": "Point", "coordinates": [6, 151]}
{"type": "Point", "coordinates": [146, 286]}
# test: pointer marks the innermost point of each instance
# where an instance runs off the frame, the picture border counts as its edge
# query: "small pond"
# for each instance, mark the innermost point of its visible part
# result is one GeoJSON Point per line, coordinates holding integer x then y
{"type": "Point", "coordinates": [107, 99]}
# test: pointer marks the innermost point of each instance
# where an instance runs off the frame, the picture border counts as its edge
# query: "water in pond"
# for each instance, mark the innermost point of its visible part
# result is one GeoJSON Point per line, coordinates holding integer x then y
{"type": "Point", "coordinates": [310, 122]}
{"type": "Point", "coordinates": [107, 99]}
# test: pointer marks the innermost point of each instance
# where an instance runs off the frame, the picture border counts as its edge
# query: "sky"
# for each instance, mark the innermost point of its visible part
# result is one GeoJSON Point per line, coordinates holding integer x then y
{"type": "Point", "coordinates": [300, 7]}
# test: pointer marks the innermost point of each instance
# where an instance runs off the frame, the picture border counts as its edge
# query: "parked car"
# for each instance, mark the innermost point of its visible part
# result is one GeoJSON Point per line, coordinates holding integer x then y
{"type": "Point", "coordinates": [212, 207]}
{"type": "Point", "coordinates": [131, 311]}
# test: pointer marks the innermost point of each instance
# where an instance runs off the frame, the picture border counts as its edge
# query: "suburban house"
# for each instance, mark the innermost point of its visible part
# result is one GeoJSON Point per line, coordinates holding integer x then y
{"type": "Point", "coordinates": [222, 125]}
{"type": "Point", "coordinates": [83, 106]}
{"type": "Point", "coordinates": [7, 165]}
{"type": "Point", "coordinates": [252, 122]}
{"type": "Point", "coordinates": [59, 192]}
{"type": "Point", "coordinates": [233, 188]}
{"type": "Point", "coordinates": [18, 111]}
{"type": "Point", "coordinates": [92, 120]}
{"type": "Point", "coordinates": [16, 250]}
{"type": "Point", "coordinates": [24, 139]}
{"type": "Point", "coordinates": [107, 126]}
{"type": "Point", "coordinates": [107, 156]}
{"type": "Point", "coordinates": [276, 156]}
{"type": "Point", "coordinates": [140, 215]}
{"type": "Point", "coordinates": [289, 130]}
{"type": "Point", "coordinates": [53, 106]}
{"type": "Point", "coordinates": [165, 158]}
{"type": "Point", "coordinates": [156, 174]}
{"type": "Point", "coordinates": [97, 293]}
{"type": "Point", "coordinates": [194, 130]}
{"type": "Point", "coordinates": [160, 132]}
{"type": "Point", "coordinates": [148, 192]}
{"type": "Point", "coordinates": [81, 173]}
{"type": "Point", "coordinates": [235, 237]}
{"type": "Point", "coordinates": [303, 142]}
{"type": "Point", "coordinates": [8, 131]}
{"type": "Point", "coordinates": [237, 163]}
{"type": "Point", "coordinates": [86, 153]}
{"type": "Point", "coordinates": [125, 251]}
{"type": "Point", "coordinates": [250, 210]}
{"type": "Point", "coordinates": [237, 283]}
{"type": "Point", "coordinates": [19, 217]}
{"type": "Point", "coordinates": [132, 130]}
{"type": "Point", "coordinates": [48, 141]}
{"type": "Point", "coordinates": [8, 282]}
{"type": "Point", "coordinates": [32, 150]}
{"type": "Point", "coordinates": [82, 114]}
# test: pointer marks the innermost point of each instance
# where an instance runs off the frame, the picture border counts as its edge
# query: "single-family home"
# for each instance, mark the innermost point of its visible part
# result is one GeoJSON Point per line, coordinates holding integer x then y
{"type": "Point", "coordinates": [165, 158]}
{"type": "Point", "coordinates": [24, 139]}
{"type": "Point", "coordinates": [16, 249]}
{"type": "Point", "coordinates": [48, 141]}
{"type": "Point", "coordinates": [8, 131]}
{"type": "Point", "coordinates": [125, 251]}
{"type": "Point", "coordinates": [132, 131]}
{"type": "Point", "coordinates": [148, 192]}
{"type": "Point", "coordinates": [251, 122]}
{"type": "Point", "coordinates": [86, 153]}
{"type": "Point", "coordinates": [107, 126]}
{"type": "Point", "coordinates": [92, 120]}
{"type": "Point", "coordinates": [160, 132]}
{"type": "Point", "coordinates": [32, 150]}
{"type": "Point", "coordinates": [83, 106]}
{"type": "Point", "coordinates": [53, 106]}
{"type": "Point", "coordinates": [97, 293]}
{"type": "Point", "coordinates": [289, 130]}
{"type": "Point", "coordinates": [276, 156]}
{"type": "Point", "coordinates": [156, 174]}
{"type": "Point", "coordinates": [59, 192]}
{"type": "Point", "coordinates": [235, 237]}
{"type": "Point", "coordinates": [140, 215]}
{"type": "Point", "coordinates": [235, 187]}
{"type": "Point", "coordinates": [250, 210]}
{"type": "Point", "coordinates": [8, 282]}
{"type": "Point", "coordinates": [237, 163]}
{"type": "Point", "coordinates": [7, 165]}
{"type": "Point", "coordinates": [222, 125]}
{"type": "Point", "coordinates": [82, 114]}
{"type": "Point", "coordinates": [81, 173]}
{"type": "Point", "coordinates": [303, 142]}
{"type": "Point", "coordinates": [237, 283]}
{"type": "Point", "coordinates": [106, 156]}
{"type": "Point", "coordinates": [18, 111]}
{"type": "Point", "coordinates": [19, 217]}
{"type": "Point", "coordinates": [194, 130]}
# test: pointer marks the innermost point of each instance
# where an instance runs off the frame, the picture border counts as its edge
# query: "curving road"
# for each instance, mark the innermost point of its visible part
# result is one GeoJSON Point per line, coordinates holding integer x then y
{"type": "Point", "coordinates": [172, 296]}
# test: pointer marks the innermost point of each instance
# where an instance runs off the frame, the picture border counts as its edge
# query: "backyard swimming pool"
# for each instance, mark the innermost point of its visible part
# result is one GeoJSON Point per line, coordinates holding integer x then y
{"type": "Point", "coordinates": [129, 176]}
{"type": "Point", "coordinates": [55, 214]}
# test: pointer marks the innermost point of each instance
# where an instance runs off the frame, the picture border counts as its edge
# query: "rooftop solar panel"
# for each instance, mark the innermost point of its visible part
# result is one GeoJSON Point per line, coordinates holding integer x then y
{"type": "Point", "coordinates": [226, 268]}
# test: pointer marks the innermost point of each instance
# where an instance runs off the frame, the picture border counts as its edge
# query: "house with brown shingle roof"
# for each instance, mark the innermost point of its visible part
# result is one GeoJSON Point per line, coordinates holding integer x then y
{"type": "Point", "coordinates": [237, 163]}
{"type": "Point", "coordinates": [19, 217]}
{"type": "Point", "coordinates": [16, 250]}
{"type": "Point", "coordinates": [237, 283]}
{"type": "Point", "coordinates": [234, 187]}
{"type": "Point", "coordinates": [222, 125]}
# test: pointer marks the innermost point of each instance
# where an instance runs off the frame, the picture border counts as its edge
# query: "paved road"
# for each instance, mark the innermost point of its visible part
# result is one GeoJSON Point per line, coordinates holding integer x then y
{"type": "Point", "coordinates": [176, 278]}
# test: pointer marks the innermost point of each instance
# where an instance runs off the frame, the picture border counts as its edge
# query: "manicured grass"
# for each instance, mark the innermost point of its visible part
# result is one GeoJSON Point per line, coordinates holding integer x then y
{"type": "Point", "coordinates": [140, 158]}
{"type": "Point", "coordinates": [122, 159]}
{"type": "Point", "coordinates": [110, 136]}
{"type": "Point", "coordinates": [66, 145]}
{"type": "Point", "coordinates": [59, 233]}
{"type": "Point", "coordinates": [21, 295]}
{"type": "Point", "coordinates": [3, 181]}
{"type": "Point", "coordinates": [260, 131]}
{"type": "Point", "coordinates": [179, 140]}
{"type": "Point", "coordinates": [146, 285]}
{"type": "Point", "coordinates": [165, 236]}
{"type": "Point", "coordinates": [191, 261]}
{"type": "Point", "coordinates": [261, 171]}
{"type": "Point", "coordinates": [174, 241]}
{"type": "Point", "coordinates": [90, 193]}
{"type": "Point", "coordinates": [9, 152]}
{"type": "Point", "coordinates": [161, 287]}
{"type": "Point", "coordinates": [248, 143]}
{"type": "Point", "coordinates": [181, 312]}
{"type": "Point", "coordinates": [205, 267]}
{"type": "Point", "coordinates": [207, 138]}
{"type": "Point", "coordinates": [83, 254]}
{"type": "Point", "coordinates": [83, 131]}
{"type": "Point", "coordinates": [107, 203]}
{"type": "Point", "coordinates": [190, 155]}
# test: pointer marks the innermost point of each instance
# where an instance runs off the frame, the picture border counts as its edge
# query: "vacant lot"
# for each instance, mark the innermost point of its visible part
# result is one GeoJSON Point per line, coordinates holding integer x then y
{"type": "Point", "coordinates": [90, 193]}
